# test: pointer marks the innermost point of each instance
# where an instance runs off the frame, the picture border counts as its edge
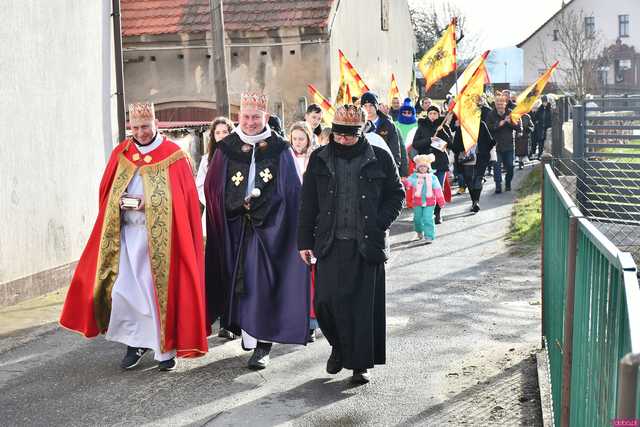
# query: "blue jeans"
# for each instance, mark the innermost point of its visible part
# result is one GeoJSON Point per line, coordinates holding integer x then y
{"type": "Point", "coordinates": [504, 158]}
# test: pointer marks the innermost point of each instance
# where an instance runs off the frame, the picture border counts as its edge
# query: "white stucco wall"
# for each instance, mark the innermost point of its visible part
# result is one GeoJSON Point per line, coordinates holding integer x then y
{"type": "Point", "coordinates": [374, 53]}
{"type": "Point", "coordinates": [606, 23]}
{"type": "Point", "coordinates": [57, 115]}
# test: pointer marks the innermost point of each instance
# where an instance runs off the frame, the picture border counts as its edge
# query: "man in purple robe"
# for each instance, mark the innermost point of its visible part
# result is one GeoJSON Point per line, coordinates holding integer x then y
{"type": "Point", "coordinates": [256, 282]}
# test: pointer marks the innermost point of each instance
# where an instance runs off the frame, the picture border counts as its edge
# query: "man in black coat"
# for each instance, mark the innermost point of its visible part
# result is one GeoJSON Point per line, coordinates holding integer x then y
{"type": "Point", "coordinates": [351, 195]}
{"type": "Point", "coordinates": [383, 125]}
{"type": "Point", "coordinates": [541, 122]}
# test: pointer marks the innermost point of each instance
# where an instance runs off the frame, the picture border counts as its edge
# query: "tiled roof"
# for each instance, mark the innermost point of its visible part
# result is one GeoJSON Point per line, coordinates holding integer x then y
{"type": "Point", "coordinates": [192, 16]}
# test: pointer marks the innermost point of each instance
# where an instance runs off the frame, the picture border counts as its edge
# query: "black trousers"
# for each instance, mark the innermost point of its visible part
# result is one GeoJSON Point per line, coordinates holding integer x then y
{"type": "Point", "coordinates": [350, 305]}
{"type": "Point", "coordinates": [473, 176]}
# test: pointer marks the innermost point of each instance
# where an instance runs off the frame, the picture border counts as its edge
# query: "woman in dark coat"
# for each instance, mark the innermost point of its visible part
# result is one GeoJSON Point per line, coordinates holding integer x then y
{"type": "Point", "coordinates": [428, 128]}
{"type": "Point", "coordinates": [474, 162]}
{"type": "Point", "coordinates": [525, 129]}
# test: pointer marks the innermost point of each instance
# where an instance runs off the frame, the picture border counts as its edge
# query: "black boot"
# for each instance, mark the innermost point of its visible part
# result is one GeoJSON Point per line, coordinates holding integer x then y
{"type": "Point", "coordinates": [360, 376]}
{"type": "Point", "coordinates": [260, 357]}
{"type": "Point", "coordinates": [223, 333]}
{"type": "Point", "coordinates": [475, 199]}
{"type": "Point", "coordinates": [334, 364]}
{"type": "Point", "coordinates": [438, 218]}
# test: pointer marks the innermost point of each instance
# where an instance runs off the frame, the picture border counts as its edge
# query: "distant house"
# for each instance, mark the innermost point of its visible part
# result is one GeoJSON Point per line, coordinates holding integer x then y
{"type": "Point", "coordinates": [276, 46]}
{"type": "Point", "coordinates": [616, 21]}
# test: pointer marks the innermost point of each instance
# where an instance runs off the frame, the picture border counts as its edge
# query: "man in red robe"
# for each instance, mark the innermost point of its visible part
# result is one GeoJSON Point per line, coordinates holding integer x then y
{"type": "Point", "coordinates": [140, 279]}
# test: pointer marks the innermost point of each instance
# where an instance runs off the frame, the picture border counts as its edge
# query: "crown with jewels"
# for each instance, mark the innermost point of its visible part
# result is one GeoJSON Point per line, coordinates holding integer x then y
{"type": "Point", "coordinates": [349, 115]}
{"type": "Point", "coordinates": [141, 112]}
{"type": "Point", "coordinates": [253, 101]}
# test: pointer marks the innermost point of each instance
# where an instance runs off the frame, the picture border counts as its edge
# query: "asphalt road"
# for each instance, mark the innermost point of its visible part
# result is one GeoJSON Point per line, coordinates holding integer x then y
{"type": "Point", "coordinates": [463, 316]}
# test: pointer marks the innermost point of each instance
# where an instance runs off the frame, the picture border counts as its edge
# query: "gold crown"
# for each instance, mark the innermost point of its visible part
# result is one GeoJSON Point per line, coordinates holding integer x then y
{"type": "Point", "coordinates": [141, 112]}
{"type": "Point", "coordinates": [424, 159]}
{"type": "Point", "coordinates": [253, 101]}
{"type": "Point", "coordinates": [349, 115]}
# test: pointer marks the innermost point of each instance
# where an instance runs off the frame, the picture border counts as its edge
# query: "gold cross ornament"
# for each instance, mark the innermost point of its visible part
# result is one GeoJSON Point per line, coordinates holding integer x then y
{"type": "Point", "coordinates": [237, 178]}
{"type": "Point", "coordinates": [266, 175]}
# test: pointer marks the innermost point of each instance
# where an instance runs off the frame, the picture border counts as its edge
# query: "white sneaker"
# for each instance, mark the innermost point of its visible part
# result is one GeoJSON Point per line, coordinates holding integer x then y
{"type": "Point", "coordinates": [419, 236]}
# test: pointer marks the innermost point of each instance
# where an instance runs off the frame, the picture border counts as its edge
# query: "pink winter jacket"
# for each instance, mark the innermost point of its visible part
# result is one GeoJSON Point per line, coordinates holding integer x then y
{"type": "Point", "coordinates": [426, 189]}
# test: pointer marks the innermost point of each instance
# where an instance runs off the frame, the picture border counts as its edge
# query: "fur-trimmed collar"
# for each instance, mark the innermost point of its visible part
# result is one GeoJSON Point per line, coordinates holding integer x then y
{"type": "Point", "coordinates": [232, 145]}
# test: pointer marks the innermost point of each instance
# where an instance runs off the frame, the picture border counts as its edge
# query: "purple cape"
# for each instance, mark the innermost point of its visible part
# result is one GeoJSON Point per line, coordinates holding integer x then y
{"type": "Point", "coordinates": [274, 305]}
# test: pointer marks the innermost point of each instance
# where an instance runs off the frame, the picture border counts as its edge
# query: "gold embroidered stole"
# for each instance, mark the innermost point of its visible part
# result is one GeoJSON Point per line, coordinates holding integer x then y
{"type": "Point", "coordinates": [159, 221]}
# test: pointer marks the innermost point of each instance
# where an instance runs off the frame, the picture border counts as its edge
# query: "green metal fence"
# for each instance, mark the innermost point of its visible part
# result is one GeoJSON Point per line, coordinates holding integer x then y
{"type": "Point", "coordinates": [556, 216]}
{"type": "Point", "coordinates": [591, 316]}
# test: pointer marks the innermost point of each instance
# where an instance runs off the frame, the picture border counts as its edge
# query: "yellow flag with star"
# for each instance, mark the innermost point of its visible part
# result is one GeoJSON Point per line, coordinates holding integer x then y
{"type": "Point", "coordinates": [468, 107]}
{"type": "Point", "coordinates": [525, 101]}
{"type": "Point", "coordinates": [440, 60]}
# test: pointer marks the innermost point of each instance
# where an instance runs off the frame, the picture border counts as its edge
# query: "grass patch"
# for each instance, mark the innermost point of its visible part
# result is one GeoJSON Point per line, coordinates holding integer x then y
{"type": "Point", "coordinates": [633, 147]}
{"type": "Point", "coordinates": [526, 214]}
{"type": "Point", "coordinates": [623, 150]}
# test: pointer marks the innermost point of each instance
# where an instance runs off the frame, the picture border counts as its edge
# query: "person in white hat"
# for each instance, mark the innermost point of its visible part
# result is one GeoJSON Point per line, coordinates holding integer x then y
{"type": "Point", "coordinates": [427, 193]}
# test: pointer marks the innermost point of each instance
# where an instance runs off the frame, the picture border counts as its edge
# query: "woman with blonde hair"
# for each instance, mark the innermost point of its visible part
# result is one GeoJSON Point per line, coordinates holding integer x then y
{"type": "Point", "coordinates": [300, 139]}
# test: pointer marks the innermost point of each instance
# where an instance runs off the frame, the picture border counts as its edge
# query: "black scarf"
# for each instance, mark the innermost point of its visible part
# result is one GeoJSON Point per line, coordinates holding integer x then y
{"type": "Point", "coordinates": [348, 152]}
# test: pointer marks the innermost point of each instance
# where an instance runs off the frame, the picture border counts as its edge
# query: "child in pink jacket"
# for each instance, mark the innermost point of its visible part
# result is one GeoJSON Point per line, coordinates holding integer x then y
{"type": "Point", "coordinates": [427, 192]}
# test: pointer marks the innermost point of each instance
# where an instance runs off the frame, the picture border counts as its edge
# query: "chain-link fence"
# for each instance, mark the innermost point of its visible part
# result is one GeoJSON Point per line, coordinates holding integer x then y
{"type": "Point", "coordinates": [608, 194]}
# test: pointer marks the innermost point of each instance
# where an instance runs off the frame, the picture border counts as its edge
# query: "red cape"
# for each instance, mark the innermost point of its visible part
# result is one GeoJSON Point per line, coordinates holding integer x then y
{"type": "Point", "coordinates": [179, 286]}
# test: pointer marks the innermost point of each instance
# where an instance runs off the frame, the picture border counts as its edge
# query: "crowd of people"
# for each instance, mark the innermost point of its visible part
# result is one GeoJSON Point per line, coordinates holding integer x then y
{"type": "Point", "coordinates": [294, 233]}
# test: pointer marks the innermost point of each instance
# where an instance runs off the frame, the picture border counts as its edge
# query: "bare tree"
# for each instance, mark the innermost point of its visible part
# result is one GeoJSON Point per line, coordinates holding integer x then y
{"type": "Point", "coordinates": [579, 49]}
{"type": "Point", "coordinates": [429, 23]}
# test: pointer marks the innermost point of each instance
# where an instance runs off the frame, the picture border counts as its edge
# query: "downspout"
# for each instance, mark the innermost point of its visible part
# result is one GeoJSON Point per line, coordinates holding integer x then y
{"type": "Point", "coordinates": [117, 43]}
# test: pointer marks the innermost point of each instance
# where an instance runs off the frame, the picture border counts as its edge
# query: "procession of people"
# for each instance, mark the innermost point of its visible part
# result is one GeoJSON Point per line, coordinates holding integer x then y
{"type": "Point", "coordinates": [293, 234]}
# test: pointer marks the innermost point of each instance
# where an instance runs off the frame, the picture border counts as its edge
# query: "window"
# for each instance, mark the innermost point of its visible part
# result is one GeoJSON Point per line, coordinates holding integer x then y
{"type": "Point", "coordinates": [620, 66]}
{"type": "Point", "coordinates": [590, 26]}
{"type": "Point", "coordinates": [556, 35]}
{"type": "Point", "coordinates": [623, 25]}
{"type": "Point", "coordinates": [384, 15]}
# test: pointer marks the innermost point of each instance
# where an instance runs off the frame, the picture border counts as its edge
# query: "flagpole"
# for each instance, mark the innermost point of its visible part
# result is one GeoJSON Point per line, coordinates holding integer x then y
{"type": "Point", "coordinates": [455, 70]}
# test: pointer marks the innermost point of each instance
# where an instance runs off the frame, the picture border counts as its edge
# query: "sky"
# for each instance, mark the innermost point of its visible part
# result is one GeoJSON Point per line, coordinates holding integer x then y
{"type": "Point", "coordinates": [500, 23]}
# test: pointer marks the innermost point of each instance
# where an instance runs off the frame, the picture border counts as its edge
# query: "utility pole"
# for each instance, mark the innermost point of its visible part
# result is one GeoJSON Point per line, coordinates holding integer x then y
{"type": "Point", "coordinates": [218, 57]}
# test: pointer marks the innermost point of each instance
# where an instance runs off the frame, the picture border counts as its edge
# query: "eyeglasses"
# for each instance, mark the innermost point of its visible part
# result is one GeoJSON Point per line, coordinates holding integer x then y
{"type": "Point", "coordinates": [343, 135]}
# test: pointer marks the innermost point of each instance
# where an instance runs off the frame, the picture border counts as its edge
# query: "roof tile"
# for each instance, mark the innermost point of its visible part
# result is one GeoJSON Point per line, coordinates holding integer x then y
{"type": "Point", "coordinates": [192, 16]}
